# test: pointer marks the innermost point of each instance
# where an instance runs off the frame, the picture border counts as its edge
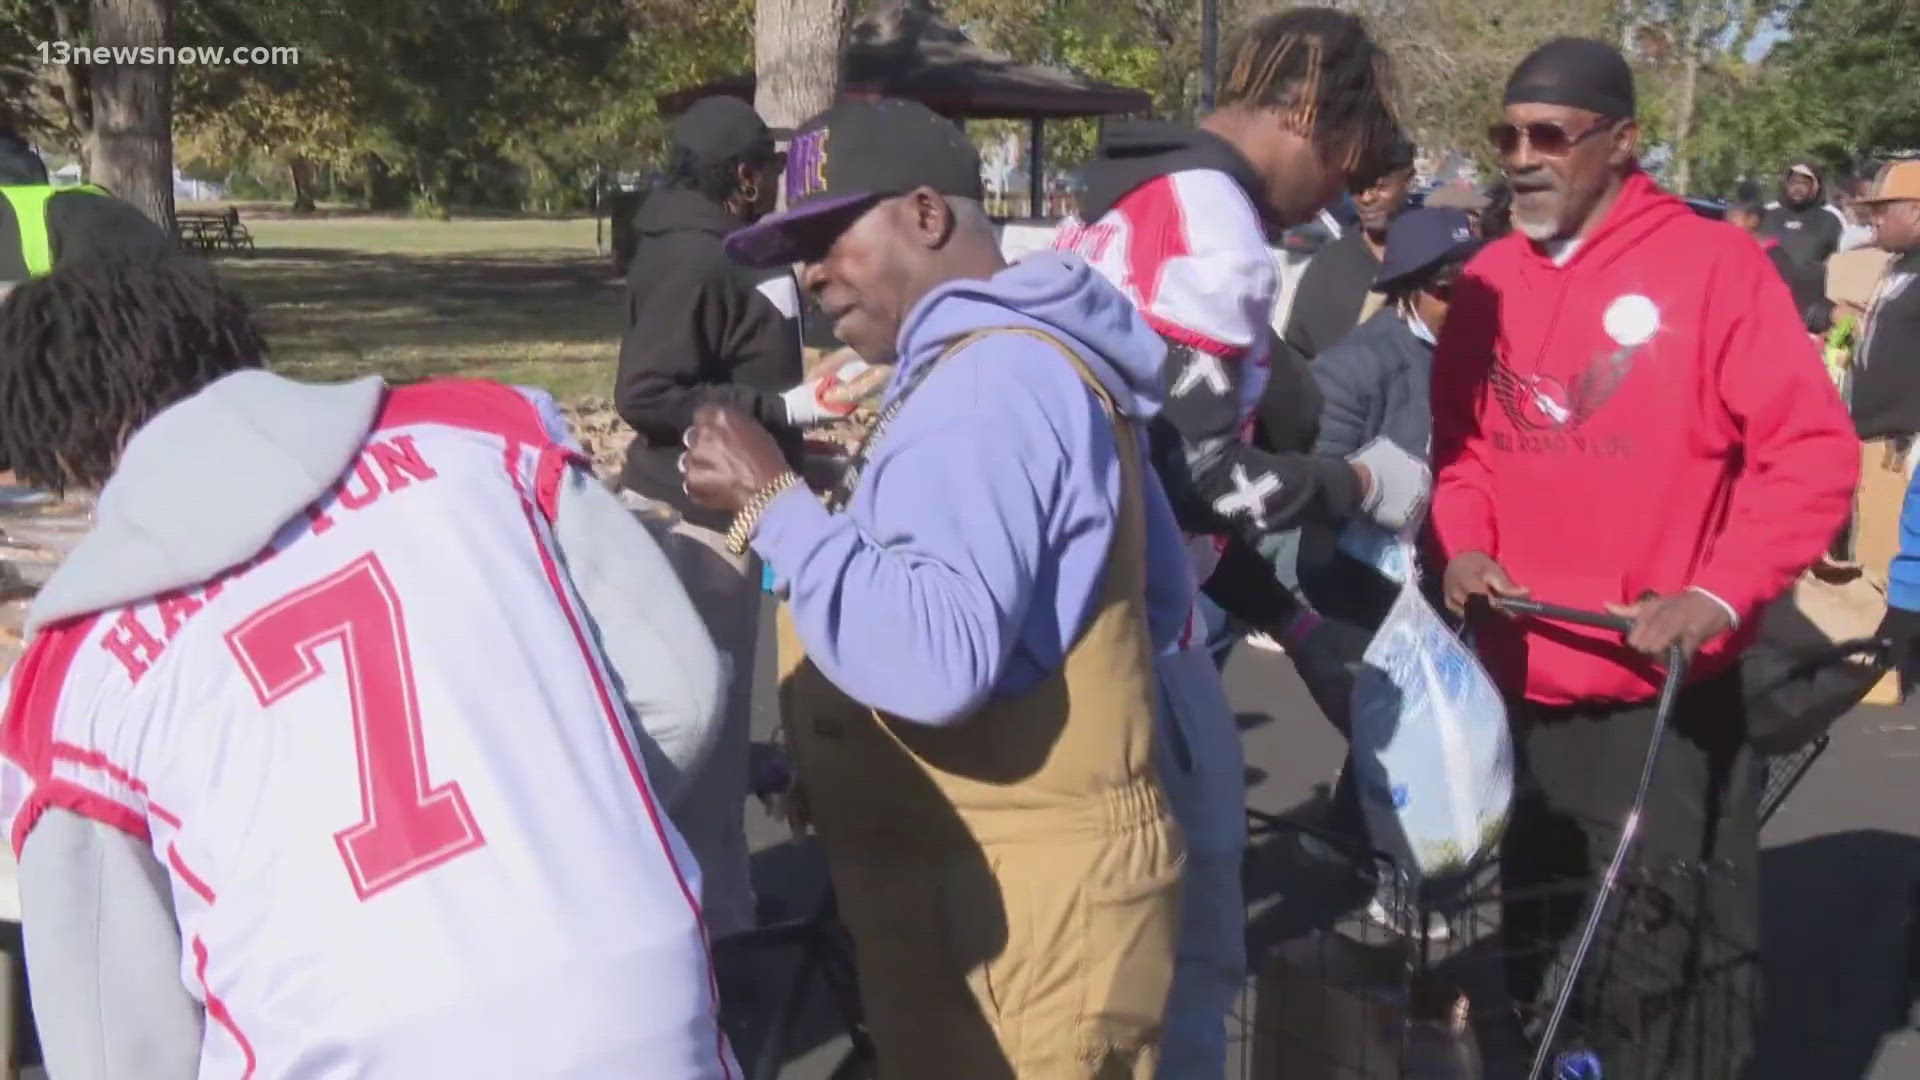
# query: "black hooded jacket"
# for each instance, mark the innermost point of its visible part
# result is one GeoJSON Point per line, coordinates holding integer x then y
{"type": "Point", "coordinates": [1132, 152]}
{"type": "Point", "coordinates": [1809, 234]}
{"type": "Point", "coordinates": [699, 328]}
{"type": "Point", "coordinates": [1218, 484]}
{"type": "Point", "coordinates": [81, 224]}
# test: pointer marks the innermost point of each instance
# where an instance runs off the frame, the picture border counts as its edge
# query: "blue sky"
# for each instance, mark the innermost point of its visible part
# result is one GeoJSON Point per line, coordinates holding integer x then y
{"type": "Point", "coordinates": [1766, 39]}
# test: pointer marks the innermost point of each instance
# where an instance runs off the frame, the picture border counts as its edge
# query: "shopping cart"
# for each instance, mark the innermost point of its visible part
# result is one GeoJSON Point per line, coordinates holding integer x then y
{"type": "Point", "coordinates": [1397, 984]}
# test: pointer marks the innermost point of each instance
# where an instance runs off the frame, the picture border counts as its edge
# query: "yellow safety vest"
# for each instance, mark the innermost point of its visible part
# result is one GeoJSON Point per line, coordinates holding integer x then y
{"type": "Point", "coordinates": [30, 210]}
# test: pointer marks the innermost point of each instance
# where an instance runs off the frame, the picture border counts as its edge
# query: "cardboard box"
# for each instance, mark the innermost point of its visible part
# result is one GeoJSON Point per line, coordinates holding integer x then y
{"type": "Point", "coordinates": [1852, 275]}
{"type": "Point", "coordinates": [1885, 474]}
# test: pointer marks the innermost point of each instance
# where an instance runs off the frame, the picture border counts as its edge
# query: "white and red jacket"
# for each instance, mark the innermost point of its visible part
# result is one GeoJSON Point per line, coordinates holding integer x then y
{"type": "Point", "coordinates": [1169, 216]}
{"type": "Point", "coordinates": [327, 660]}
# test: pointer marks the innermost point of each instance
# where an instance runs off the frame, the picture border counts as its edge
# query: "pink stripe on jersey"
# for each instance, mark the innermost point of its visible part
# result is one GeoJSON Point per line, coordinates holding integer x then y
{"type": "Point", "coordinates": [54, 793]}
{"type": "Point", "coordinates": [94, 759]}
{"type": "Point", "coordinates": [1173, 331]}
{"type": "Point", "coordinates": [26, 731]}
{"type": "Point", "coordinates": [491, 408]}
{"type": "Point", "coordinates": [217, 1009]}
{"type": "Point", "coordinates": [26, 736]}
{"type": "Point", "coordinates": [193, 880]}
{"type": "Point", "coordinates": [1159, 234]}
{"type": "Point", "coordinates": [474, 404]}
{"type": "Point", "coordinates": [546, 484]}
{"type": "Point", "coordinates": [615, 720]}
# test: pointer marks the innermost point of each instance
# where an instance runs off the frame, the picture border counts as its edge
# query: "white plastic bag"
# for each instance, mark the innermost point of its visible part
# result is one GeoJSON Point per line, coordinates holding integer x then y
{"type": "Point", "coordinates": [1431, 750]}
{"type": "Point", "coordinates": [1371, 545]}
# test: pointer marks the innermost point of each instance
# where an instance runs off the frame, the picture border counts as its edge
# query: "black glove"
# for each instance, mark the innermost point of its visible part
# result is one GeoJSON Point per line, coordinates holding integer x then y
{"type": "Point", "coordinates": [1900, 629]}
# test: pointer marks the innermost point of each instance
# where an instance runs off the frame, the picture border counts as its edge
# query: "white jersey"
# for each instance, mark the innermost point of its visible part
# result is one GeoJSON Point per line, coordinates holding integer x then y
{"type": "Point", "coordinates": [1188, 249]}
{"type": "Point", "coordinates": [408, 830]}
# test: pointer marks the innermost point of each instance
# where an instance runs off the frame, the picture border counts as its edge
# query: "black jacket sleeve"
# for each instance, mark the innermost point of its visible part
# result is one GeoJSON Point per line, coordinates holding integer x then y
{"type": "Point", "coordinates": [674, 355]}
{"type": "Point", "coordinates": [1327, 303]}
{"type": "Point", "coordinates": [1808, 285]}
{"type": "Point", "coordinates": [1831, 229]}
{"type": "Point", "coordinates": [1244, 586]}
{"type": "Point", "coordinates": [81, 224]}
{"type": "Point", "coordinates": [1221, 485]}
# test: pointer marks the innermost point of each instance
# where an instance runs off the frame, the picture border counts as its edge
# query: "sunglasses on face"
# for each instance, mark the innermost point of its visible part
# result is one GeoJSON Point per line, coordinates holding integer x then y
{"type": "Point", "coordinates": [1545, 136]}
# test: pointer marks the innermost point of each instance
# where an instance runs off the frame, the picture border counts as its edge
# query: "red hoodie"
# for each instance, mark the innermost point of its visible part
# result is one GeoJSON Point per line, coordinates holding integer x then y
{"type": "Point", "coordinates": [1649, 416]}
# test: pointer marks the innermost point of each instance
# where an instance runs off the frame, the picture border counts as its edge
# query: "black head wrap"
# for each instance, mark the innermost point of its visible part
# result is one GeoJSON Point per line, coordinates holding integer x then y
{"type": "Point", "coordinates": [1580, 73]}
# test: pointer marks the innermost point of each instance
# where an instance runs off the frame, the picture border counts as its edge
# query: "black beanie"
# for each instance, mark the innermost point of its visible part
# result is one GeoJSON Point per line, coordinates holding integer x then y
{"type": "Point", "coordinates": [1580, 73]}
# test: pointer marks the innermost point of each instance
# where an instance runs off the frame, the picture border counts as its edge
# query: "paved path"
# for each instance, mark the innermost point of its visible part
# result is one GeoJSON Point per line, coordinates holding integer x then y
{"type": "Point", "coordinates": [1841, 870]}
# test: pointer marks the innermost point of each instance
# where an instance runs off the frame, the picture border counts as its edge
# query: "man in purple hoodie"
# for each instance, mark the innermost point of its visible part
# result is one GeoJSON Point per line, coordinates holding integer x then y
{"type": "Point", "coordinates": [971, 617]}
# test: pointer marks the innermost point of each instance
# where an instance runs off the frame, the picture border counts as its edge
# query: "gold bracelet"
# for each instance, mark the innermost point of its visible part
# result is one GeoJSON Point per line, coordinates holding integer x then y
{"type": "Point", "coordinates": [749, 515]}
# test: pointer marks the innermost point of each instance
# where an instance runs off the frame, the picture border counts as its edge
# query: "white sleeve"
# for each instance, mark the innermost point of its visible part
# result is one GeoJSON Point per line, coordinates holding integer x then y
{"type": "Point", "coordinates": [663, 661]}
{"type": "Point", "coordinates": [1207, 279]}
{"type": "Point", "coordinates": [103, 955]}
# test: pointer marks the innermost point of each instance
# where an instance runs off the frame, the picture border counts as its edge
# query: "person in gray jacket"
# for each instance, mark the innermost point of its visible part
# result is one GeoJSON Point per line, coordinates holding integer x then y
{"type": "Point", "coordinates": [506, 584]}
{"type": "Point", "coordinates": [1374, 383]}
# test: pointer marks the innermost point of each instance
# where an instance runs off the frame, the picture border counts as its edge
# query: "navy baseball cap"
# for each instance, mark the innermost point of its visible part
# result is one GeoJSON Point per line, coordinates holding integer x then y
{"type": "Point", "coordinates": [844, 161]}
{"type": "Point", "coordinates": [1419, 240]}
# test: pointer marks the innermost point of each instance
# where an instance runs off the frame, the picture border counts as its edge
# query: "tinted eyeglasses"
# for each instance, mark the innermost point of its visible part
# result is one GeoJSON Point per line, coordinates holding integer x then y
{"type": "Point", "coordinates": [1545, 136]}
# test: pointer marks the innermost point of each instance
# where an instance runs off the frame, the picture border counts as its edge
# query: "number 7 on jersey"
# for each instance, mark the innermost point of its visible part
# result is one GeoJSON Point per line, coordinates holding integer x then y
{"type": "Point", "coordinates": [406, 828]}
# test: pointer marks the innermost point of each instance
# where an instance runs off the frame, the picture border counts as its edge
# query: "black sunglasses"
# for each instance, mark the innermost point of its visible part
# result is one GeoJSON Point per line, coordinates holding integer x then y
{"type": "Point", "coordinates": [1545, 136]}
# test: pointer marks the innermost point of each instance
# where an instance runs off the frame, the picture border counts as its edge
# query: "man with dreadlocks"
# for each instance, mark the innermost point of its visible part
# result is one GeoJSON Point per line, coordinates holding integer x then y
{"type": "Point", "coordinates": [1176, 217]}
{"type": "Point", "coordinates": [326, 698]}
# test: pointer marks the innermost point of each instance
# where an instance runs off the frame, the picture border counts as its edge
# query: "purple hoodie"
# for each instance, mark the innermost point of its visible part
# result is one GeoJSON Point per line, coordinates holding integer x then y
{"type": "Point", "coordinates": [970, 557]}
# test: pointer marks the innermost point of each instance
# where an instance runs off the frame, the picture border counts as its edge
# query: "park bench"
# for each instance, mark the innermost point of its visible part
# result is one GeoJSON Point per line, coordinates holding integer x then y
{"type": "Point", "coordinates": [212, 230]}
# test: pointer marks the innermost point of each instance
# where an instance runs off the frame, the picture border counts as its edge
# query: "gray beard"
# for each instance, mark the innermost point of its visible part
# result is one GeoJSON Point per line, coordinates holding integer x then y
{"type": "Point", "coordinates": [1537, 231]}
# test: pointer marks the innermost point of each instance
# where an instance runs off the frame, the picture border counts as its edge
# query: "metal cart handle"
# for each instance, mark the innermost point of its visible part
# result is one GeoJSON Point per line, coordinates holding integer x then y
{"type": "Point", "coordinates": [1676, 665]}
{"type": "Point", "coordinates": [1603, 620]}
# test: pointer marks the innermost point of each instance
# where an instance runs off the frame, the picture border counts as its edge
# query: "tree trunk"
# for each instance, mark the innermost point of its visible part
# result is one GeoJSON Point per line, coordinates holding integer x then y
{"type": "Point", "coordinates": [372, 186]}
{"type": "Point", "coordinates": [132, 134]}
{"type": "Point", "coordinates": [301, 170]}
{"type": "Point", "coordinates": [796, 57]}
{"type": "Point", "coordinates": [71, 90]}
{"type": "Point", "coordinates": [384, 191]}
{"type": "Point", "coordinates": [1694, 45]}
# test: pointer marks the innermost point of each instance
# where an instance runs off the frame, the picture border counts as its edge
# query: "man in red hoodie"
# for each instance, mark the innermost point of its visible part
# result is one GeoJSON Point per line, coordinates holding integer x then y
{"type": "Point", "coordinates": [1629, 415]}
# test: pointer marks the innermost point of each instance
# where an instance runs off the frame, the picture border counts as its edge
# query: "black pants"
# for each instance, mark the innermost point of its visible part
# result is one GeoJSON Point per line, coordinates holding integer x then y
{"type": "Point", "coordinates": [1671, 987]}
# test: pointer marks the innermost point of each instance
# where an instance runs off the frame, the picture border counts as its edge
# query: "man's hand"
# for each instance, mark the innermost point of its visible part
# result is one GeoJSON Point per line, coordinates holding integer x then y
{"type": "Point", "coordinates": [1690, 618]}
{"type": "Point", "coordinates": [729, 458]}
{"type": "Point", "coordinates": [1474, 573]}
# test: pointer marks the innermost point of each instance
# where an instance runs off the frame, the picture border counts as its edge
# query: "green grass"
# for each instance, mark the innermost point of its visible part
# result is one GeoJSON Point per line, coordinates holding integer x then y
{"type": "Point", "coordinates": [521, 300]}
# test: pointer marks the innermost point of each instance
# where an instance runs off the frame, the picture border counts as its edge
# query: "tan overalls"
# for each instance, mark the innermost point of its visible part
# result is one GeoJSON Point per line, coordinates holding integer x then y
{"type": "Point", "coordinates": [1011, 881]}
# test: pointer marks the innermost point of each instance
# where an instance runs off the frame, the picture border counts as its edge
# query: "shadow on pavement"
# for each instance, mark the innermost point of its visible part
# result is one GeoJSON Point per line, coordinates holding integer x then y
{"type": "Point", "coordinates": [1839, 939]}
